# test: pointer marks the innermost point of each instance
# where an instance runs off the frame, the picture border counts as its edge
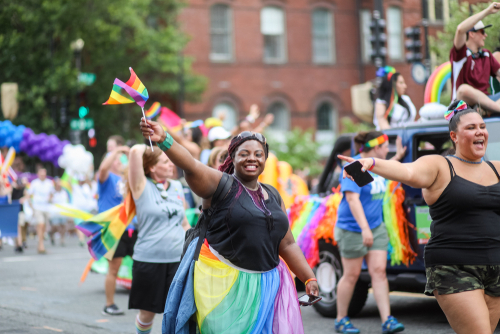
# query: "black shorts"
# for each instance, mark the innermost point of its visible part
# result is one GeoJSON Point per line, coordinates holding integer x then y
{"type": "Point", "coordinates": [126, 245]}
{"type": "Point", "coordinates": [150, 285]}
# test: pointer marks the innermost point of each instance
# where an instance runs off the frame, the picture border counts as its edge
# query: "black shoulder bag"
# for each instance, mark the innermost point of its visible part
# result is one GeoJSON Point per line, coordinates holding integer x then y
{"type": "Point", "coordinates": [200, 229]}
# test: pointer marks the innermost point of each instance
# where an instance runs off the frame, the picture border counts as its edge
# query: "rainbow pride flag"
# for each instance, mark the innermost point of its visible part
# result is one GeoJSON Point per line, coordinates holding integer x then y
{"type": "Point", "coordinates": [107, 228]}
{"type": "Point", "coordinates": [170, 119]}
{"type": "Point", "coordinates": [67, 184]}
{"type": "Point", "coordinates": [153, 111]}
{"type": "Point", "coordinates": [129, 92]}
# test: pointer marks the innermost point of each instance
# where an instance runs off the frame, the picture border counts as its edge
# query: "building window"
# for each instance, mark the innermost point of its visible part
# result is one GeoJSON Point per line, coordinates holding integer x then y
{"type": "Point", "coordinates": [395, 33]}
{"type": "Point", "coordinates": [325, 119]}
{"type": "Point", "coordinates": [272, 27]}
{"type": "Point", "coordinates": [365, 18]}
{"type": "Point", "coordinates": [220, 33]}
{"type": "Point", "coordinates": [281, 116]}
{"type": "Point", "coordinates": [228, 113]}
{"type": "Point", "coordinates": [438, 10]}
{"type": "Point", "coordinates": [323, 37]}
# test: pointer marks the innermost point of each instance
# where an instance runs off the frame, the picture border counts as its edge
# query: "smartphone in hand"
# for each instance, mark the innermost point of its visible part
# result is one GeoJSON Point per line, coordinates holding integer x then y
{"type": "Point", "coordinates": [361, 178]}
{"type": "Point", "coordinates": [308, 300]}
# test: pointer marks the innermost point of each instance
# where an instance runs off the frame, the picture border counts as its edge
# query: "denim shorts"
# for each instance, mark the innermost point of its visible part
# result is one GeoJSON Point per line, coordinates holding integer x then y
{"type": "Point", "coordinates": [350, 244]}
{"type": "Point", "coordinates": [448, 279]}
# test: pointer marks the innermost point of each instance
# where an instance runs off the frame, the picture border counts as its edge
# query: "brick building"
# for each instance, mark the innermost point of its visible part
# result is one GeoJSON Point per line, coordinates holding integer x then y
{"type": "Point", "coordinates": [295, 58]}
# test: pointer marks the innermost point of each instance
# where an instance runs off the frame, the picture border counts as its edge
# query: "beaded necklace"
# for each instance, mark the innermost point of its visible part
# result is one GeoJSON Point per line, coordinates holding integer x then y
{"type": "Point", "coordinates": [257, 197]}
{"type": "Point", "coordinates": [467, 161]}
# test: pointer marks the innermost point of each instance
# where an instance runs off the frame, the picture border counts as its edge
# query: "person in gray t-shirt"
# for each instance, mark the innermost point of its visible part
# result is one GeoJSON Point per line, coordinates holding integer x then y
{"type": "Point", "coordinates": [161, 225]}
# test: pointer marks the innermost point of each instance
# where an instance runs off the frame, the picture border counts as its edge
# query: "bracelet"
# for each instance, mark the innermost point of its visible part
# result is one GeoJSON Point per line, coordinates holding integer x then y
{"type": "Point", "coordinates": [369, 169]}
{"type": "Point", "coordinates": [167, 143]}
{"type": "Point", "coordinates": [310, 280]}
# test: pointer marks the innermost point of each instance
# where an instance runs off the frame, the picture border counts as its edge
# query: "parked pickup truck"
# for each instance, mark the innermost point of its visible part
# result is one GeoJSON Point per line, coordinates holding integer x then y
{"type": "Point", "coordinates": [420, 138]}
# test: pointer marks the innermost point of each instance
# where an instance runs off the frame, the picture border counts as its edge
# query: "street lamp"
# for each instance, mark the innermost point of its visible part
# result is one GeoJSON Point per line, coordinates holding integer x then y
{"type": "Point", "coordinates": [77, 47]}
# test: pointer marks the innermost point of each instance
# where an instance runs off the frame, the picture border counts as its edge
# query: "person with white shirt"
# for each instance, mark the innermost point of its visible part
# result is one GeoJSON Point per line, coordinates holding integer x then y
{"type": "Point", "coordinates": [58, 221]}
{"type": "Point", "coordinates": [393, 107]}
{"type": "Point", "coordinates": [39, 192]}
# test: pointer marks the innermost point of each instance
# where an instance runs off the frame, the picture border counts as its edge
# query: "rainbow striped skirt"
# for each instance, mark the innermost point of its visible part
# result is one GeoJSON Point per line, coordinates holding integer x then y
{"type": "Point", "coordinates": [233, 300]}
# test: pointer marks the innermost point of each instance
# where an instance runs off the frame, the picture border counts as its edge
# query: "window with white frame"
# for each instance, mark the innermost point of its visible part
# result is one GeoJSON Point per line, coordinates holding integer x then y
{"type": "Point", "coordinates": [365, 18]}
{"type": "Point", "coordinates": [281, 116]}
{"type": "Point", "coordinates": [220, 33]}
{"type": "Point", "coordinates": [438, 10]}
{"type": "Point", "coordinates": [325, 118]}
{"type": "Point", "coordinates": [272, 27]}
{"type": "Point", "coordinates": [228, 113]}
{"type": "Point", "coordinates": [394, 33]}
{"type": "Point", "coordinates": [322, 36]}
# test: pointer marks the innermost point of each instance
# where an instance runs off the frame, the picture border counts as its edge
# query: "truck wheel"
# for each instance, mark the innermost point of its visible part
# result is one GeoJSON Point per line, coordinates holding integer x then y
{"type": "Point", "coordinates": [328, 272]}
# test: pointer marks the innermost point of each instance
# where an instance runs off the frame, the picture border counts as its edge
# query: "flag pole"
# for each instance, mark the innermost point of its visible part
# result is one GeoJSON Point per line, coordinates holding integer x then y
{"type": "Point", "coordinates": [150, 143]}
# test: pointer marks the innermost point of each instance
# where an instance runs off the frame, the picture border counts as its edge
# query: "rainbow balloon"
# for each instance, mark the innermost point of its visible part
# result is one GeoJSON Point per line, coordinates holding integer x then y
{"type": "Point", "coordinates": [436, 82]}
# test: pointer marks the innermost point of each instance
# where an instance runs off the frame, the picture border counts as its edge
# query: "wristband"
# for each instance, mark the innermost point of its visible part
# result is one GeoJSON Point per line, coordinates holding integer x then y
{"type": "Point", "coordinates": [310, 280]}
{"type": "Point", "coordinates": [369, 169]}
{"type": "Point", "coordinates": [167, 143]}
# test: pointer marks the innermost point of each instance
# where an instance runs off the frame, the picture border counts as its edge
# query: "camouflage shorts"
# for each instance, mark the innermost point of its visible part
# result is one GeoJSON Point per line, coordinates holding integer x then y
{"type": "Point", "coordinates": [460, 278]}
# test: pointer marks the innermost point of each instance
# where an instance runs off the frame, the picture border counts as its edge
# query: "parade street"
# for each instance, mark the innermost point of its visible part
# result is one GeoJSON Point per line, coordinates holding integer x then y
{"type": "Point", "coordinates": [40, 294]}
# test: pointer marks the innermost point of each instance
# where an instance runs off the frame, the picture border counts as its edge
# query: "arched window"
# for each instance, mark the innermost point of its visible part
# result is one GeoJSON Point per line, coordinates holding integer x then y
{"type": "Point", "coordinates": [273, 28]}
{"type": "Point", "coordinates": [322, 36]}
{"type": "Point", "coordinates": [229, 113]}
{"type": "Point", "coordinates": [221, 48]}
{"type": "Point", "coordinates": [326, 125]}
{"type": "Point", "coordinates": [281, 116]}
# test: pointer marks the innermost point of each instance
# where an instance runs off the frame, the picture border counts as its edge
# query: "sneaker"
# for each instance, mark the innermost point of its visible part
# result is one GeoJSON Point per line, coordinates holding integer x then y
{"type": "Point", "coordinates": [112, 310]}
{"type": "Point", "coordinates": [18, 249]}
{"type": "Point", "coordinates": [392, 326]}
{"type": "Point", "coordinates": [345, 326]}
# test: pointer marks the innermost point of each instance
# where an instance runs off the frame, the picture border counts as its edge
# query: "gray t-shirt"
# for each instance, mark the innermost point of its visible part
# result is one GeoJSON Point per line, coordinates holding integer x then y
{"type": "Point", "coordinates": [159, 223]}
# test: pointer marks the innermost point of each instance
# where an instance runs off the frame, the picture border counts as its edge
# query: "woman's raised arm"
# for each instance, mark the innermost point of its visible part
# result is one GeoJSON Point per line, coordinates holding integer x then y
{"type": "Point", "coordinates": [421, 173]}
{"type": "Point", "coordinates": [202, 179]}
{"type": "Point", "coordinates": [136, 176]}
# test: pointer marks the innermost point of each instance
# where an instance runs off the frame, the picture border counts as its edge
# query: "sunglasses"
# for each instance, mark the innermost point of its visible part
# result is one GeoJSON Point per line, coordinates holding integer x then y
{"type": "Point", "coordinates": [258, 136]}
{"type": "Point", "coordinates": [163, 192]}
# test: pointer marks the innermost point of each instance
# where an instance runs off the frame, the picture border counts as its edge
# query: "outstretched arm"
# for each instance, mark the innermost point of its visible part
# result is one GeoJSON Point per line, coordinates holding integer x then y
{"type": "Point", "coordinates": [106, 164]}
{"type": "Point", "coordinates": [419, 174]}
{"type": "Point", "coordinates": [202, 179]}
{"type": "Point", "coordinates": [468, 24]}
{"type": "Point", "coordinates": [136, 176]}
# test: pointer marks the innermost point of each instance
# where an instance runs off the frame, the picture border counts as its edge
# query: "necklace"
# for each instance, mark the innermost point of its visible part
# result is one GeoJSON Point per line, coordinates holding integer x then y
{"type": "Point", "coordinates": [257, 197]}
{"type": "Point", "coordinates": [467, 161]}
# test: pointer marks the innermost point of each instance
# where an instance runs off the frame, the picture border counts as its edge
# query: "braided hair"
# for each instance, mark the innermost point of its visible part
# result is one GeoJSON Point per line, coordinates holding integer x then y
{"type": "Point", "coordinates": [228, 166]}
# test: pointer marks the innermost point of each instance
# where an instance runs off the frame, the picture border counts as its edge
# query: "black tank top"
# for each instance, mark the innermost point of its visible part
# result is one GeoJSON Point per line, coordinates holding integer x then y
{"type": "Point", "coordinates": [465, 228]}
{"type": "Point", "coordinates": [242, 236]}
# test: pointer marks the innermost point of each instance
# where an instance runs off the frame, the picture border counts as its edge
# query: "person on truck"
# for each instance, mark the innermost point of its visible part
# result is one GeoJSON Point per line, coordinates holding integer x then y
{"type": "Point", "coordinates": [462, 257]}
{"type": "Point", "coordinates": [393, 107]}
{"type": "Point", "coordinates": [361, 235]}
{"type": "Point", "coordinates": [472, 65]}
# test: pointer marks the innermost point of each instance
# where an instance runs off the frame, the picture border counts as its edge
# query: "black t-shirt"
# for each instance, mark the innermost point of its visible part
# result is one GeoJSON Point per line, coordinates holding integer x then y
{"type": "Point", "coordinates": [243, 237]}
{"type": "Point", "coordinates": [18, 194]}
{"type": "Point", "coordinates": [465, 228]}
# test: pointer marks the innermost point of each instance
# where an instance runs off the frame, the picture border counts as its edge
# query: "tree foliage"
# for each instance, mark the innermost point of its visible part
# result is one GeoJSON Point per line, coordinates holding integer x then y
{"type": "Point", "coordinates": [299, 149]}
{"type": "Point", "coordinates": [35, 38]}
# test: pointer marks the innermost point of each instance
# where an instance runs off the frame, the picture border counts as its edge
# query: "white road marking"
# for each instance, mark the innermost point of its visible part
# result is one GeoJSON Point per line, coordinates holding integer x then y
{"type": "Point", "coordinates": [41, 258]}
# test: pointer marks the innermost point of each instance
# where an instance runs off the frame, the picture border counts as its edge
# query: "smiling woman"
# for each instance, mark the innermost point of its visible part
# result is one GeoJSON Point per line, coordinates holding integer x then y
{"type": "Point", "coordinates": [242, 275]}
{"type": "Point", "coordinates": [462, 257]}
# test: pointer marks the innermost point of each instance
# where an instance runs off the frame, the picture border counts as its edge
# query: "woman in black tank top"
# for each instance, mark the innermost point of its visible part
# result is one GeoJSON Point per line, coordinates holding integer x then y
{"type": "Point", "coordinates": [462, 257]}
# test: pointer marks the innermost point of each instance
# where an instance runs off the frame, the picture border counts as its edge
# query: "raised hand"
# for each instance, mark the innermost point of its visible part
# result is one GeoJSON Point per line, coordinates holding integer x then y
{"type": "Point", "coordinates": [153, 129]}
{"type": "Point", "coordinates": [366, 163]}
{"type": "Point", "coordinates": [494, 7]}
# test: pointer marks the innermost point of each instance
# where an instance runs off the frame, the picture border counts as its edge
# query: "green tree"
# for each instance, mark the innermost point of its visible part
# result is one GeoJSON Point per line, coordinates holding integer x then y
{"type": "Point", "coordinates": [299, 149]}
{"type": "Point", "coordinates": [348, 126]}
{"type": "Point", "coordinates": [35, 38]}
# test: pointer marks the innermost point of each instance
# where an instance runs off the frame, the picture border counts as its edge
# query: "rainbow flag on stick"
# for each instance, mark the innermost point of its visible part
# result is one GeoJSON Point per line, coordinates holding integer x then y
{"type": "Point", "coordinates": [9, 159]}
{"type": "Point", "coordinates": [107, 228]}
{"type": "Point", "coordinates": [129, 92]}
{"type": "Point", "coordinates": [153, 111]}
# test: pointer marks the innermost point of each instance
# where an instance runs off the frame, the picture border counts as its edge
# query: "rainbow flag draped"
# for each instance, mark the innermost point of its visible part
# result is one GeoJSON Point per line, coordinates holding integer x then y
{"type": "Point", "coordinates": [313, 218]}
{"type": "Point", "coordinates": [131, 91]}
{"type": "Point", "coordinates": [107, 228]}
{"type": "Point", "coordinates": [153, 111]}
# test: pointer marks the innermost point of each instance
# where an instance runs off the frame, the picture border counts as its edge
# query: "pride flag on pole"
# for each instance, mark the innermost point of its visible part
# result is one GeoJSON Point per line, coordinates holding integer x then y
{"type": "Point", "coordinates": [153, 111]}
{"type": "Point", "coordinates": [107, 228]}
{"type": "Point", "coordinates": [129, 92]}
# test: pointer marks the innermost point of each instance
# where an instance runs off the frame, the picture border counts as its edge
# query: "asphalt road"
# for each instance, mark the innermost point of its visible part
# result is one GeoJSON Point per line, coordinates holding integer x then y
{"type": "Point", "coordinates": [40, 294]}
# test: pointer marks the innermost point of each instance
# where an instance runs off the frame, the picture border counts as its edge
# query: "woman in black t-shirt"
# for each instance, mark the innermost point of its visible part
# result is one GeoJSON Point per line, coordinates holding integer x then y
{"type": "Point", "coordinates": [239, 283]}
{"type": "Point", "coordinates": [462, 257]}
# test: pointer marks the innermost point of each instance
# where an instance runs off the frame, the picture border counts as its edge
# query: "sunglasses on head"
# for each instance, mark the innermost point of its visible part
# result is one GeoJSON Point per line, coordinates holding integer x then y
{"type": "Point", "coordinates": [258, 136]}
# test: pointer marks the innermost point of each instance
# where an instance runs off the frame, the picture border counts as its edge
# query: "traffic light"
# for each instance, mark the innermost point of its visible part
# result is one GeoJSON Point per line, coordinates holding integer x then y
{"type": "Point", "coordinates": [83, 111]}
{"type": "Point", "coordinates": [413, 45]}
{"type": "Point", "coordinates": [92, 139]}
{"type": "Point", "coordinates": [378, 39]}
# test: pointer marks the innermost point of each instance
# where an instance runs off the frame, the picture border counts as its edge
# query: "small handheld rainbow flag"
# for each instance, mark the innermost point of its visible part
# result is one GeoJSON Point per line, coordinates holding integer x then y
{"type": "Point", "coordinates": [134, 88]}
{"type": "Point", "coordinates": [9, 159]}
{"type": "Point", "coordinates": [107, 228]}
{"type": "Point", "coordinates": [153, 111]}
{"type": "Point", "coordinates": [170, 119]}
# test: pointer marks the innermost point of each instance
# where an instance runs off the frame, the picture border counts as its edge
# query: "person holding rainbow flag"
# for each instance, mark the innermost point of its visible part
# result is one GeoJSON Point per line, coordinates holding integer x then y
{"type": "Point", "coordinates": [241, 281]}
